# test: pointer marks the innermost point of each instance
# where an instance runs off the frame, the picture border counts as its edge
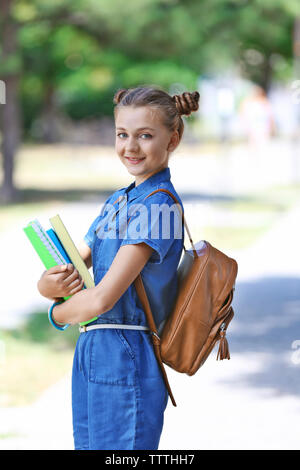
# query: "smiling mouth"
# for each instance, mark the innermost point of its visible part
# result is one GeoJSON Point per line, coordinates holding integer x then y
{"type": "Point", "coordinates": [134, 160]}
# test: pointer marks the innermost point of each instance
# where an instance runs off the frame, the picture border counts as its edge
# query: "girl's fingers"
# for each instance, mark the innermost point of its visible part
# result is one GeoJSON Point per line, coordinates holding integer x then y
{"type": "Point", "coordinates": [60, 273]}
{"type": "Point", "coordinates": [69, 282]}
{"type": "Point", "coordinates": [74, 275]}
{"type": "Point", "coordinates": [69, 270]}
{"type": "Point", "coordinates": [61, 268]}
{"type": "Point", "coordinates": [75, 283]}
{"type": "Point", "coordinates": [77, 289]}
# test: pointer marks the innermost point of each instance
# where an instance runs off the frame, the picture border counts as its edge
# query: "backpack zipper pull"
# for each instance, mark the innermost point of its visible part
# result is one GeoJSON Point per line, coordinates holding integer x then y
{"type": "Point", "coordinates": [223, 352]}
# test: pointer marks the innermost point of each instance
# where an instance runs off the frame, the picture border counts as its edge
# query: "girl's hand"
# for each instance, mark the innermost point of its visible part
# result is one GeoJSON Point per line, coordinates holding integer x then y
{"type": "Point", "coordinates": [60, 281]}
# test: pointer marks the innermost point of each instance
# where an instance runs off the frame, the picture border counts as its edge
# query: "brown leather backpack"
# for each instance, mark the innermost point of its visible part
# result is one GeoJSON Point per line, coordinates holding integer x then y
{"type": "Point", "coordinates": [202, 310]}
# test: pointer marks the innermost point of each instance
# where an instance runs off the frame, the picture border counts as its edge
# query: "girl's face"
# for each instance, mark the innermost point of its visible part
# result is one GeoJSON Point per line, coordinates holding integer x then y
{"type": "Point", "coordinates": [143, 142]}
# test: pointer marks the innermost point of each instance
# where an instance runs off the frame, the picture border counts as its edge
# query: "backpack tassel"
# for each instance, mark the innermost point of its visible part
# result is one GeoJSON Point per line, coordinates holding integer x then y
{"type": "Point", "coordinates": [223, 352]}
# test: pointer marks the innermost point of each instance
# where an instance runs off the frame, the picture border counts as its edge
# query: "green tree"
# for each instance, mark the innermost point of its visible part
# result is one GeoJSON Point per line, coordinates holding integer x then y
{"type": "Point", "coordinates": [71, 55]}
{"type": "Point", "coordinates": [10, 121]}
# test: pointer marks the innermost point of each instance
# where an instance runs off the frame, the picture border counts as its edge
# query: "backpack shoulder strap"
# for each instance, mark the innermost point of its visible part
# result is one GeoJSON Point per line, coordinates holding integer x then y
{"type": "Point", "coordinates": [181, 213]}
{"type": "Point", "coordinates": [154, 336]}
{"type": "Point", "coordinates": [138, 283]}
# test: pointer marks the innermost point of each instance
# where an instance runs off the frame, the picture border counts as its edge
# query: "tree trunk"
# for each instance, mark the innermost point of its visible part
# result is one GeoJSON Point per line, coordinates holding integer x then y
{"type": "Point", "coordinates": [296, 64]}
{"type": "Point", "coordinates": [296, 48]}
{"type": "Point", "coordinates": [266, 74]}
{"type": "Point", "coordinates": [10, 125]}
{"type": "Point", "coordinates": [49, 116]}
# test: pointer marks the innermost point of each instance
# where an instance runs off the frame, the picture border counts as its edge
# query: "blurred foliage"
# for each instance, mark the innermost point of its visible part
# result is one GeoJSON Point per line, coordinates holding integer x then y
{"type": "Point", "coordinates": [38, 329]}
{"type": "Point", "coordinates": [74, 54]}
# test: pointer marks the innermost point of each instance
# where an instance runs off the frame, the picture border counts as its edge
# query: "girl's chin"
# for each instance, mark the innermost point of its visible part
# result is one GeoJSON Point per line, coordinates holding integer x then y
{"type": "Point", "coordinates": [135, 170]}
{"type": "Point", "coordinates": [137, 174]}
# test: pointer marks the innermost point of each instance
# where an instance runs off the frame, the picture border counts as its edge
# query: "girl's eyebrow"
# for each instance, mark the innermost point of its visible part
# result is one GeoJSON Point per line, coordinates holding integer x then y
{"type": "Point", "coordinates": [139, 129]}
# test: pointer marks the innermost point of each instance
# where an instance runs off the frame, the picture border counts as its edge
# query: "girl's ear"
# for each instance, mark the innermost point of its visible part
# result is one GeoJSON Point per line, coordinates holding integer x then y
{"type": "Point", "coordinates": [174, 141]}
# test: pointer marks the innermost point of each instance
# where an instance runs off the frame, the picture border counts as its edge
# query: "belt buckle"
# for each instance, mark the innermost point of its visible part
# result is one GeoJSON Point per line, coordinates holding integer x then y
{"type": "Point", "coordinates": [82, 329]}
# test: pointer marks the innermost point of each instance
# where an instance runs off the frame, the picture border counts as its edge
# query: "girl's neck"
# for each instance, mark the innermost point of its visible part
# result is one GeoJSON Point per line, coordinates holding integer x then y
{"type": "Point", "coordinates": [142, 178]}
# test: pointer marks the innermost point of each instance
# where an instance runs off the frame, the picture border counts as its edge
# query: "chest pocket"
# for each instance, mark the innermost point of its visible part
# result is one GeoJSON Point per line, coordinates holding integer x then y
{"type": "Point", "coordinates": [108, 236]}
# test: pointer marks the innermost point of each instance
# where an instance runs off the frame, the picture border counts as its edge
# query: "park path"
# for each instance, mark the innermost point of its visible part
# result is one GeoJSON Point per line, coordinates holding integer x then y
{"type": "Point", "coordinates": [249, 402]}
{"type": "Point", "coordinates": [253, 400]}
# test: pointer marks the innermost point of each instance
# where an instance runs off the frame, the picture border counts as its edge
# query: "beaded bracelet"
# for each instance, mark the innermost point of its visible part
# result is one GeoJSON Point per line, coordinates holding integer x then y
{"type": "Point", "coordinates": [58, 327]}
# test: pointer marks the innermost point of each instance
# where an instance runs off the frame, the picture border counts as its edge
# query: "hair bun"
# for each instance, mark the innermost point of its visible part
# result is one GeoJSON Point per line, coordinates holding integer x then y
{"type": "Point", "coordinates": [187, 102]}
{"type": "Point", "coordinates": [119, 95]}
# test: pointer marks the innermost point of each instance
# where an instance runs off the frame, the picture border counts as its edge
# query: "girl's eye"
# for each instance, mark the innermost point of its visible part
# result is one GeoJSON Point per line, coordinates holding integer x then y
{"type": "Point", "coordinates": [122, 135]}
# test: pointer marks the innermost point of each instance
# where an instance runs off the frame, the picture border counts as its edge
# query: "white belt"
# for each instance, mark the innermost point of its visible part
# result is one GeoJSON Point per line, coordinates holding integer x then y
{"type": "Point", "coordinates": [83, 329]}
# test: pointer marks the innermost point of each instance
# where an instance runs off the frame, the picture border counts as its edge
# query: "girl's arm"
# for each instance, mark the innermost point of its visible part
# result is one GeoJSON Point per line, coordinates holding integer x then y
{"type": "Point", "coordinates": [85, 253]}
{"type": "Point", "coordinates": [64, 280]}
{"type": "Point", "coordinates": [88, 303]}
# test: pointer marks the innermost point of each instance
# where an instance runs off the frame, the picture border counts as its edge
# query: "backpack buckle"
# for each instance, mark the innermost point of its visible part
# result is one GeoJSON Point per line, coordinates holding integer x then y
{"type": "Point", "coordinates": [153, 333]}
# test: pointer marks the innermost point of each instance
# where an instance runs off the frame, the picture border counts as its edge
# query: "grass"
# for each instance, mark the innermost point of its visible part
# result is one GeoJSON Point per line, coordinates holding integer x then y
{"type": "Point", "coordinates": [276, 199]}
{"type": "Point", "coordinates": [233, 238]}
{"type": "Point", "coordinates": [32, 359]}
{"type": "Point", "coordinates": [10, 435]}
{"type": "Point", "coordinates": [10, 214]}
{"type": "Point", "coordinates": [59, 167]}
{"type": "Point", "coordinates": [272, 203]}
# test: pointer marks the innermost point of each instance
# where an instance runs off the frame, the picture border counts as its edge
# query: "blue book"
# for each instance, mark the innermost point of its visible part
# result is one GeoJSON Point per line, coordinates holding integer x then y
{"type": "Point", "coordinates": [58, 245]}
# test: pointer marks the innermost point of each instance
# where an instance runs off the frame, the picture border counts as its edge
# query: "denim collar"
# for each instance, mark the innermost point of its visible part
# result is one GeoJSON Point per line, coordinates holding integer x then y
{"type": "Point", "coordinates": [132, 191]}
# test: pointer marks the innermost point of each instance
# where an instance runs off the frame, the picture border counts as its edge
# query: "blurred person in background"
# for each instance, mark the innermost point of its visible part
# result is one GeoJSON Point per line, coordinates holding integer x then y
{"type": "Point", "coordinates": [257, 116]}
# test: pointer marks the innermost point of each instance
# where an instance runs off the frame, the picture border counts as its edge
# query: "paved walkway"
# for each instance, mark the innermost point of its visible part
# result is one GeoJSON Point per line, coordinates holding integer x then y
{"type": "Point", "coordinates": [253, 400]}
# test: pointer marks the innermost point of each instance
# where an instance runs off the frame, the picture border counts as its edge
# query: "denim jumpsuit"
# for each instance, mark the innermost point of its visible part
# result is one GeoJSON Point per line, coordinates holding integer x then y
{"type": "Point", "coordinates": [118, 392]}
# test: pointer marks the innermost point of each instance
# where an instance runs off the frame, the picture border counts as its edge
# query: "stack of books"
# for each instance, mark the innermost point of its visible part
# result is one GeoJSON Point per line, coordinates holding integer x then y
{"type": "Point", "coordinates": [55, 247]}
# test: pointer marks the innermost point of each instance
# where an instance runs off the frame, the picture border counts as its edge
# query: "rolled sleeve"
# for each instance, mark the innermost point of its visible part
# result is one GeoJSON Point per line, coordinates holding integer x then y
{"type": "Point", "coordinates": [157, 222]}
{"type": "Point", "coordinates": [89, 238]}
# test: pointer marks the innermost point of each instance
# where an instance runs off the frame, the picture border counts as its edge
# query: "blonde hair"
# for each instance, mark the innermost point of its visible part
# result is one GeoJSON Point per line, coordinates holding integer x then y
{"type": "Point", "coordinates": [172, 107]}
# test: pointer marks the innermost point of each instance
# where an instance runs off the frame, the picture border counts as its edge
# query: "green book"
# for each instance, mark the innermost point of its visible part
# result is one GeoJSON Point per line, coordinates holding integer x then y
{"type": "Point", "coordinates": [44, 246]}
{"type": "Point", "coordinates": [50, 255]}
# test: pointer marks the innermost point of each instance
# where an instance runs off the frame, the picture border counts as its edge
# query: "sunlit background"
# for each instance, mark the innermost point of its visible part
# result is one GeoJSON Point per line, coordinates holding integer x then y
{"type": "Point", "coordinates": [237, 171]}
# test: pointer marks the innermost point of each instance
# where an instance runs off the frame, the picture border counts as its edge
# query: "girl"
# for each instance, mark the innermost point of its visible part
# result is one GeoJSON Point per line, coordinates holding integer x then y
{"type": "Point", "coordinates": [118, 392]}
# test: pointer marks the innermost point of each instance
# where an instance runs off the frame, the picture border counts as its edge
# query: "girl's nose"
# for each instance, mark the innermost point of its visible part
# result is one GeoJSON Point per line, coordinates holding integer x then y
{"type": "Point", "coordinates": [131, 144]}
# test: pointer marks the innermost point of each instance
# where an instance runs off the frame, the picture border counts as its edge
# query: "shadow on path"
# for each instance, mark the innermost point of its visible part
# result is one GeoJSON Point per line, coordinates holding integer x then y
{"type": "Point", "coordinates": [33, 195]}
{"type": "Point", "coordinates": [266, 323]}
